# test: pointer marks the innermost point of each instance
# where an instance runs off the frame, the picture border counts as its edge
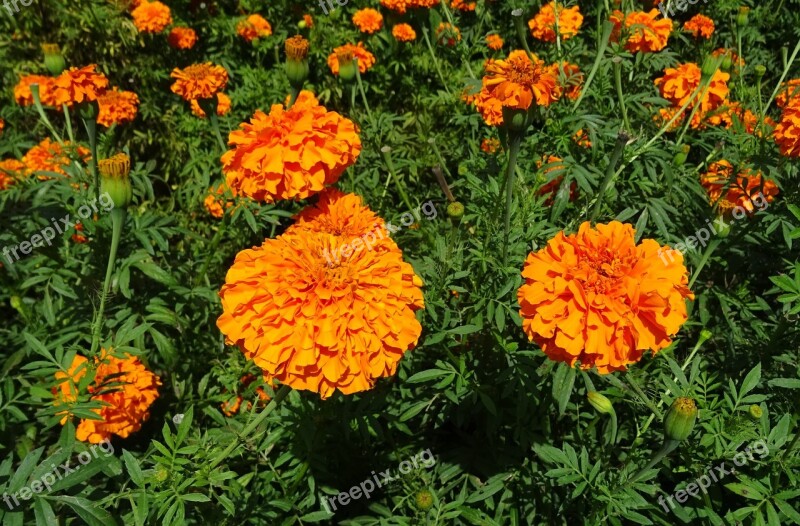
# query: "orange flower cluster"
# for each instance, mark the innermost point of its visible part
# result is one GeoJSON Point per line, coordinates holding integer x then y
{"type": "Point", "coordinates": [447, 34]}
{"type": "Point", "coordinates": [550, 188]}
{"type": "Point", "coordinates": [598, 298]}
{"type": "Point", "coordinates": [569, 78]}
{"type": "Point", "coordinates": [731, 189]}
{"type": "Point", "coordinates": [199, 81]}
{"type": "Point", "coordinates": [404, 33]}
{"type": "Point", "coordinates": [182, 38]}
{"type": "Point", "coordinates": [124, 385]}
{"type": "Point", "coordinates": [700, 26]}
{"type": "Point", "coordinates": [151, 17]}
{"type": "Point", "coordinates": [490, 145]}
{"type": "Point", "coordinates": [644, 33]}
{"type": "Point", "coordinates": [789, 93]}
{"type": "Point", "coordinates": [253, 27]}
{"type": "Point", "coordinates": [232, 407]}
{"type": "Point", "coordinates": [317, 324]}
{"type": "Point", "coordinates": [787, 131]}
{"type": "Point", "coordinates": [49, 156]}
{"type": "Point", "coordinates": [368, 20]}
{"type": "Point", "coordinates": [10, 171]}
{"type": "Point", "coordinates": [213, 203]}
{"type": "Point", "coordinates": [117, 107]}
{"type": "Point", "coordinates": [494, 42]}
{"type": "Point", "coordinates": [23, 95]}
{"type": "Point", "coordinates": [290, 153]}
{"type": "Point", "coordinates": [581, 138]}
{"type": "Point", "coordinates": [463, 5]}
{"type": "Point", "coordinates": [543, 25]}
{"type": "Point", "coordinates": [401, 6]}
{"type": "Point", "coordinates": [365, 59]}
{"type": "Point", "coordinates": [223, 106]}
{"type": "Point", "coordinates": [77, 85]}
{"type": "Point", "coordinates": [679, 85]}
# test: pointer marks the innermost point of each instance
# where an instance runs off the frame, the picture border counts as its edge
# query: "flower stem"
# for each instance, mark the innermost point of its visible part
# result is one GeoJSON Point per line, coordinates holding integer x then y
{"type": "Point", "coordinates": [607, 28]}
{"type": "Point", "coordinates": [435, 61]}
{"type": "Point", "coordinates": [783, 76]}
{"type": "Point", "coordinates": [215, 127]}
{"type": "Point", "coordinates": [91, 131]}
{"type": "Point", "coordinates": [622, 140]}
{"type": "Point", "coordinates": [117, 220]}
{"type": "Point", "coordinates": [386, 151]}
{"type": "Point", "coordinates": [618, 81]}
{"type": "Point", "coordinates": [37, 102]}
{"type": "Point", "coordinates": [668, 447]}
{"type": "Point", "coordinates": [212, 248]}
{"type": "Point", "coordinates": [69, 123]}
{"type": "Point", "coordinates": [706, 256]}
{"type": "Point", "coordinates": [361, 90]}
{"type": "Point", "coordinates": [513, 152]}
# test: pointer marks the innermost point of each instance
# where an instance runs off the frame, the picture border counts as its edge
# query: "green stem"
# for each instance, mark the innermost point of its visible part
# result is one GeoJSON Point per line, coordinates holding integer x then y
{"type": "Point", "coordinates": [212, 248]}
{"type": "Point", "coordinates": [37, 102]}
{"type": "Point", "coordinates": [618, 81]}
{"type": "Point", "coordinates": [646, 399]}
{"type": "Point", "coordinates": [386, 151]}
{"type": "Point", "coordinates": [361, 90]}
{"type": "Point", "coordinates": [117, 220]}
{"type": "Point", "coordinates": [435, 61]}
{"type": "Point", "coordinates": [294, 92]}
{"type": "Point", "coordinates": [783, 76]}
{"type": "Point", "coordinates": [215, 126]}
{"type": "Point", "coordinates": [668, 447]}
{"type": "Point", "coordinates": [513, 152]}
{"type": "Point", "coordinates": [706, 255]}
{"type": "Point", "coordinates": [622, 140]}
{"type": "Point", "coordinates": [607, 28]}
{"type": "Point", "coordinates": [696, 106]}
{"type": "Point", "coordinates": [69, 123]}
{"type": "Point", "coordinates": [91, 131]}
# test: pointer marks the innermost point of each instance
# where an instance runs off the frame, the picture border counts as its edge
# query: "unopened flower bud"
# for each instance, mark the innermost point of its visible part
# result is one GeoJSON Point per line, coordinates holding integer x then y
{"type": "Point", "coordinates": [297, 61]}
{"type": "Point", "coordinates": [600, 402]}
{"type": "Point", "coordinates": [347, 65]}
{"type": "Point", "coordinates": [710, 66]}
{"type": "Point", "coordinates": [515, 120]}
{"type": "Point", "coordinates": [760, 70]}
{"type": "Point", "coordinates": [741, 18]}
{"type": "Point", "coordinates": [115, 179]}
{"type": "Point", "coordinates": [53, 59]}
{"type": "Point", "coordinates": [455, 210]}
{"type": "Point", "coordinates": [755, 412]}
{"type": "Point", "coordinates": [424, 500]}
{"type": "Point", "coordinates": [680, 157]}
{"type": "Point", "coordinates": [680, 419]}
{"type": "Point", "coordinates": [727, 62]}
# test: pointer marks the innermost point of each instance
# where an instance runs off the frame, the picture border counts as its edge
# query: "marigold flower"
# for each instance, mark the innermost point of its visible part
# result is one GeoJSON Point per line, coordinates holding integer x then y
{"type": "Point", "coordinates": [23, 95]}
{"type": "Point", "coordinates": [182, 38]}
{"type": "Point", "coordinates": [151, 17]}
{"type": "Point", "coordinates": [543, 25]}
{"type": "Point", "coordinates": [77, 237]}
{"type": "Point", "coordinates": [787, 131]}
{"type": "Point", "coordinates": [489, 106]}
{"type": "Point", "coordinates": [644, 32]}
{"type": "Point", "coordinates": [223, 106]}
{"type": "Point", "coordinates": [789, 93]}
{"type": "Point", "coordinates": [117, 107]}
{"type": "Point", "coordinates": [49, 156]}
{"type": "Point", "coordinates": [730, 192]}
{"type": "Point", "coordinates": [124, 384]}
{"type": "Point", "coordinates": [517, 82]}
{"type": "Point", "coordinates": [215, 199]}
{"type": "Point", "coordinates": [308, 20]}
{"type": "Point", "coordinates": [447, 34]}
{"type": "Point", "coordinates": [678, 85]}
{"type": "Point", "coordinates": [550, 188]}
{"type": "Point", "coordinates": [319, 323]}
{"type": "Point", "coordinates": [365, 59]}
{"type": "Point", "coordinates": [598, 298]}
{"type": "Point", "coordinates": [199, 81]}
{"type": "Point", "coordinates": [77, 85]}
{"type": "Point", "coordinates": [253, 27]}
{"type": "Point", "coordinates": [232, 407]}
{"type": "Point", "coordinates": [398, 6]}
{"type": "Point", "coordinates": [581, 138]}
{"type": "Point", "coordinates": [569, 78]}
{"type": "Point", "coordinates": [368, 20]}
{"type": "Point", "coordinates": [494, 42]}
{"type": "Point", "coordinates": [490, 145]}
{"type": "Point", "coordinates": [290, 153]}
{"type": "Point", "coordinates": [700, 26]}
{"type": "Point", "coordinates": [463, 5]}
{"type": "Point", "coordinates": [10, 171]}
{"type": "Point", "coordinates": [404, 33]}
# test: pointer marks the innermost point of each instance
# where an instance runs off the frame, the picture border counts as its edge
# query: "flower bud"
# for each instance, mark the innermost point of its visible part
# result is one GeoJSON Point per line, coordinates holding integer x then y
{"type": "Point", "coordinates": [455, 210]}
{"type": "Point", "coordinates": [760, 70]}
{"type": "Point", "coordinates": [680, 419]}
{"type": "Point", "coordinates": [727, 62]}
{"type": "Point", "coordinates": [755, 412]}
{"type": "Point", "coordinates": [53, 60]}
{"type": "Point", "coordinates": [424, 500]}
{"type": "Point", "coordinates": [710, 65]}
{"type": "Point", "coordinates": [741, 18]}
{"type": "Point", "coordinates": [302, 24]}
{"type": "Point", "coordinates": [515, 120]}
{"type": "Point", "coordinates": [705, 335]}
{"type": "Point", "coordinates": [347, 65]}
{"type": "Point", "coordinates": [297, 61]}
{"type": "Point", "coordinates": [725, 229]}
{"type": "Point", "coordinates": [680, 157]}
{"type": "Point", "coordinates": [115, 179]}
{"type": "Point", "coordinates": [600, 402]}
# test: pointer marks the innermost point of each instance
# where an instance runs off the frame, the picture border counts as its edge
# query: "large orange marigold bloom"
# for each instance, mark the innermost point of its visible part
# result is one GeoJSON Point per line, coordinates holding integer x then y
{"type": "Point", "coordinates": [117, 107]}
{"type": "Point", "coordinates": [543, 25]}
{"type": "Point", "coordinates": [23, 95]}
{"type": "Point", "coordinates": [77, 85]}
{"type": "Point", "coordinates": [700, 26]}
{"type": "Point", "coordinates": [49, 156]}
{"type": "Point", "coordinates": [151, 17]}
{"type": "Point", "coordinates": [730, 192]}
{"type": "Point", "coordinates": [644, 32]}
{"type": "Point", "coordinates": [253, 27]}
{"type": "Point", "coordinates": [368, 20]}
{"type": "Point", "coordinates": [404, 33]}
{"type": "Point", "coordinates": [290, 153]}
{"type": "Point", "coordinates": [199, 81]}
{"type": "Point", "coordinates": [319, 325]}
{"type": "Point", "coordinates": [599, 298]}
{"type": "Point", "coordinates": [365, 59]}
{"type": "Point", "coordinates": [517, 82]}
{"type": "Point", "coordinates": [787, 131]}
{"type": "Point", "coordinates": [679, 84]}
{"type": "Point", "coordinates": [182, 38]}
{"type": "Point", "coordinates": [223, 106]}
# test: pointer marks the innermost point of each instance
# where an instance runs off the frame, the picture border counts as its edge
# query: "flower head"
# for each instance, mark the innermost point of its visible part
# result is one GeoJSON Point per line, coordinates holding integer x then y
{"type": "Point", "coordinates": [543, 25]}
{"type": "Point", "coordinates": [368, 20]}
{"type": "Point", "coordinates": [117, 107]}
{"type": "Point", "coordinates": [517, 82]}
{"type": "Point", "coordinates": [599, 298]}
{"type": "Point", "coordinates": [787, 131]}
{"type": "Point", "coordinates": [49, 156]}
{"type": "Point", "coordinates": [490, 145]}
{"type": "Point", "coordinates": [569, 78]}
{"type": "Point", "coordinates": [644, 31]}
{"type": "Point", "coordinates": [700, 26]}
{"type": "Point", "coordinates": [404, 33]}
{"type": "Point", "coordinates": [741, 191]}
{"type": "Point", "coordinates": [199, 81]}
{"type": "Point", "coordinates": [789, 93]}
{"type": "Point", "coordinates": [77, 85]}
{"type": "Point", "coordinates": [494, 42]}
{"type": "Point", "coordinates": [679, 85]}
{"type": "Point", "coordinates": [151, 17]}
{"type": "Point", "coordinates": [10, 171]}
{"type": "Point", "coordinates": [215, 200]}
{"type": "Point", "coordinates": [365, 59]}
{"type": "Point", "coordinates": [182, 38]}
{"type": "Point", "coordinates": [253, 27]}
{"type": "Point", "coordinates": [447, 34]}
{"type": "Point", "coordinates": [23, 95]}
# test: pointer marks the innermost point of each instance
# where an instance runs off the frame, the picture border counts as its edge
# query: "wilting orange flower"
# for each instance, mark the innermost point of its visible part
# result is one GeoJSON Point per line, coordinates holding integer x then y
{"type": "Point", "coordinates": [581, 138]}
{"type": "Point", "coordinates": [253, 27]}
{"type": "Point", "coordinates": [213, 203]}
{"type": "Point", "coordinates": [490, 145]}
{"type": "Point", "coordinates": [230, 408]}
{"type": "Point", "coordinates": [729, 192]}
{"type": "Point", "coordinates": [644, 32]}
{"type": "Point", "coordinates": [23, 95]}
{"type": "Point", "coordinates": [223, 106]}
{"type": "Point", "coordinates": [49, 156]}
{"type": "Point", "coordinates": [77, 85]}
{"type": "Point", "coordinates": [117, 107]}
{"type": "Point", "coordinates": [182, 38]}
{"type": "Point", "coordinates": [10, 171]}
{"type": "Point", "coordinates": [308, 20]}
{"type": "Point", "coordinates": [199, 81]}
{"type": "Point", "coordinates": [365, 59]}
{"type": "Point", "coordinates": [316, 317]}
{"type": "Point", "coordinates": [598, 298]}
{"type": "Point", "coordinates": [787, 131]}
{"type": "Point", "coordinates": [543, 25]}
{"type": "Point", "coordinates": [290, 154]}
{"type": "Point", "coordinates": [404, 33]}
{"type": "Point", "coordinates": [789, 93]}
{"type": "Point", "coordinates": [368, 20]}
{"type": "Point", "coordinates": [447, 34]}
{"type": "Point", "coordinates": [678, 85]}
{"type": "Point", "coordinates": [463, 5]}
{"type": "Point", "coordinates": [569, 78]}
{"type": "Point", "coordinates": [124, 385]}
{"type": "Point", "coordinates": [151, 17]}
{"type": "Point", "coordinates": [517, 82]}
{"type": "Point", "coordinates": [700, 26]}
{"type": "Point", "coordinates": [494, 42]}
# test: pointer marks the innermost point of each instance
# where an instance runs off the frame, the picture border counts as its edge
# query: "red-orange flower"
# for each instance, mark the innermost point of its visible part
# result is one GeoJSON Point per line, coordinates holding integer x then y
{"type": "Point", "coordinates": [308, 20]}
{"type": "Point", "coordinates": [23, 95]}
{"type": "Point", "coordinates": [151, 17]}
{"type": "Point", "coordinates": [553, 165]}
{"type": "Point", "coordinates": [581, 138]}
{"type": "Point", "coordinates": [644, 32]}
{"type": "Point", "coordinates": [77, 85]}
{"type": "Point", "coordinates": [789, 93]}
{"type": "Point", "coordinates": [787, 131]}
{"type": "Point", "coordinates": [365, 59]}
{"type": "Point", "coordinates": [125, 387]}
{"type": "Point", "coordinates": [598, 298]}
{"type": "Point", "coordinates": [253, 27]}
{"type": "Point", "coordinates": [223, 106]}
{"type": "Point", "coordinates": [290, 153]}
{"type": "Point", "coordinates": [517, 82]}
{"type": "Point", "coordinates": [215, 200]}
{"type": "Point", "coordinates": [182, 38]}
{"type": "Point", "coordinates": [199, 81]}
{"type": "Point", "coordinates": [543, 25]}
{"type": "Point", "coordinates": [10, 171]}
{"type": "Point", "coordinates": [494, 42]}
{"type": "Point", "coordinates": [49, 156]}
{"type": "Point", "coordinates": [740, 189]}
{"type": "Point", "coordinates": [368, 20]}
{"type": "Point", "coordinates": [700, 26]}
{"type": "Point", "coordinates": [404, 33]}
{"type": "Point", "coordinates": [490, 145]}
{"type": "Point", "coordinates": [117, 107]}
{"type": "Point", "coordinates": [232, 407]}
{"type": "Point", "coordinates": [463, 5]}
{"type": "Point", "coordinates": [679, 85]}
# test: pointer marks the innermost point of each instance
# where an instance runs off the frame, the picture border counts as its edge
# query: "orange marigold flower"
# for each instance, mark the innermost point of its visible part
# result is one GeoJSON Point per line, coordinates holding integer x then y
{"type": "Point", "coordinates": [543, 25]}
{"type": "Point", "coordinates": [290, 153]}
{"type": "Point", "coordinates": [494, 42]}
{"type": "Point", "coordinates": [77, 85]}
{"type": "Point", "coordinates": [644, 32]}
{"type": "Point", "coordinates": [517, 82]}
{"type": "Point", "coordinates": [490, 145]}
{"type": "Point", "coordinates": [77, 237]}
{"type": "Point", "coordinates": [10, 171]}
{"type": "Point", "coordinates": [731, 190]}
{"type": "Point", "coordinates": [317, 322]}
{"type": "Point", "coordinates": [598, 298]}
{"type": "Point", "coordinates": [678, 85]}
{"type": "Point", "coordinates": [787, 131]}
{"type": "Point", "coordinates": [125, 387]}
{"type": "Point", "coordinates": [447, 34]}
{"type": "Point", "coordinates": [23, 95]}
{"type": "Point", "coordinates": [569, 78]}
{"type": "Point", "coordinates": [581, 138]}
{"type": "Point", "coordinates": [404, 33]}
{"type": "Point", "coordinates": [365, 59]}
{"type": "Point", "coordinates": [49, 156]}
{"type": "Point", "coordinates": [489, 106]}
{"type": "Point", "coordinates": [308, 20]}
{"type": "Point", "coordinates": [368, 20]}
{"type": "Point", "coordinates": [230, 408]}
{"type": "Point", "coordinates": [253, 27]}
{"type": "Point", "coordinates": [182, 38]}
{"type": "Point", "coordinates": [398, 6]}
{"type": "Point", "coordinates": [700, 26]}
{"type": "Point", "coordinates": [199, 81]}
{"type": "Point", "coordinates": [213, 203]}
{"type": "Point", "coordinates": [151, 17]}
{"type": "Point", "coordinates": [463, 5]}
{"type": "Point", "coordinates": [117, 107]}
{"type": "Point", "coordinates": [223, 106]}
{"type": "Point", "coordinates": [789, 93]}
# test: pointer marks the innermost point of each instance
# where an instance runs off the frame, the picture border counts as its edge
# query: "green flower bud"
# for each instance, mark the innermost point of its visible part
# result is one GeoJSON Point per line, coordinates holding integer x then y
{"type": "Point", "coordinates": [710, 66]}
{"type": "Point", "coordinates": [455, 210]}
{"type": "Point", "coordinates": [742, 17]}
{"type": "Point", "coordinates": [115, 179]}
{"type": "Point", "coordinates": [297, 61]}
{"type": "Point", "coordinates": [680, 419]}
{"type": "Point", "coordinates": [755, 412]}
{"type": "Point", "coordinates": [727, 62]}
{"type": "Point", "coordinates": [515, 120]}
{"type": "Point", "coordinates": [724, 230]}
{"type": "Point", "coordinates": [600, 402]}
{"type": "Point", "coordinates": [424, 500]}
{"type": "Point", "coordinates": [161, 474]}
{"type": "Point", "coordinates": [680, 157]}
{"type": "Point", "coordinates": [347, 65]}
{"type": "Point", "coordinates": [760, 70]}
{"type": "Point", "coordinates": [53, 60]}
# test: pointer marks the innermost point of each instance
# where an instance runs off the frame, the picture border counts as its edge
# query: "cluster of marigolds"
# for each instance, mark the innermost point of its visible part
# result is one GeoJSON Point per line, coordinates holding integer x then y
{"type": "Point", "coordinates": [594, 297]}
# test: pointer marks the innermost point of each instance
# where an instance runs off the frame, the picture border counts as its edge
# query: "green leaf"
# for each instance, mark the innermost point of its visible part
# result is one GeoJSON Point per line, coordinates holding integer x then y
{"type": "Point", "coordinates": [87, 511]}
{"type": "Point", "coordinates": [751, 380]}
{"type": "Point", "coordinates": [745, 490]}
{"type": "Point", "coordinates": [133, 469]}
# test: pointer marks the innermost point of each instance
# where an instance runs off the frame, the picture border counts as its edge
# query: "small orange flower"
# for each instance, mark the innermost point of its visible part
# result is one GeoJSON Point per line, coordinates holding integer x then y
{"type": "Point", "coordinates": [598, 298]}
{"type": "Point", "coordinates": [550, 188]}
{"type": "Point", "coordinates": [213, 203]}
{"type": "Point", "coordinates": [569, 78]}
{"type": "Point", "coordinates": [398, 6]}
{"type": "Point", "coordinates": [404, 33]}
{"type": "Point", "coordinates": [125, 387]}
{"type": "Point", "coordinates": [308, 20]}
{"type": "Point", "coordinates": [23, 95]}
{"type": "Point", "coordinates": [368, 20]}
{"type": "Point", "coordinates": [581, 138]}
{"type": "Point", "coordinates": [517, 82]}
{"type": "Point", "coordinates": [10, 171]}
{"type": "Point", "coordinates": [700, 26]}
{"type": "Point", "coordinates": [679, 85]}
{"type": "Point", "coordinates": [151, 17]}
{"type": "Point", "coordinates": [447, 34]}
{"type": "Point", "coordinates": [490, 107]}
{"type": "Point", "coordinates": [290, 153]}
{"type": "Point", "coordinates": [232, 407]}
{"type": "Point", "coordinates": [787, 131]}
{"type": "Point", "coordinates": [729, 192]}
{"type": "Point", "coordinates": [255, 26]}
{"type": "Point", "coordinates": [182, 38]}
{"type": "Point", "coordinates": [543, 25]}
{"type": "Point", "coordinates": [644, 32]}
{"type": "Point", "coordinates": [494, 42]}
{"type": "Point", "coordinates": [77, 85]}
{"type": "Point", "coordinates": [223, 106]}
{"type": "Point", "coordinates": [117, 107]}
{"type": "Point", "coordinates": [789, 93]}
{"type": "Point", "coordinates": [199, 81]}
{"type": "Point", "coordinates": [490, 145]}
{"type": "Point", "coordinates": [49, 156]}
{"type": "Point", "coordinates": [77, 237]}
{"type": "Point", "coordinates": [463, 5]}
{"type": "Point", "coordinates": [365, 59]}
